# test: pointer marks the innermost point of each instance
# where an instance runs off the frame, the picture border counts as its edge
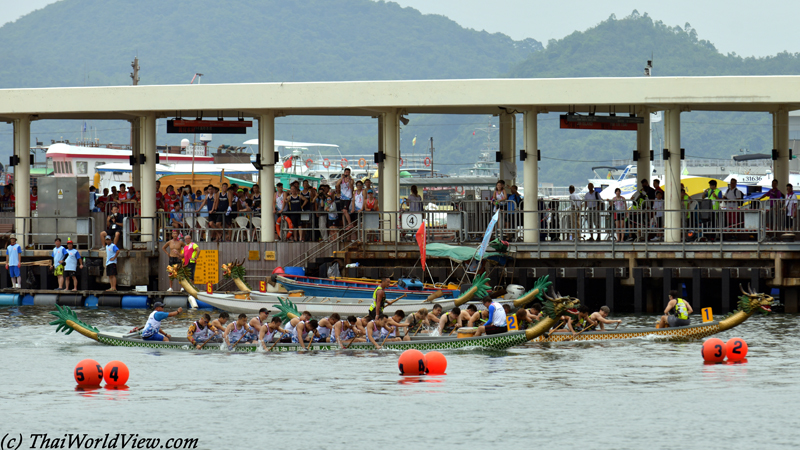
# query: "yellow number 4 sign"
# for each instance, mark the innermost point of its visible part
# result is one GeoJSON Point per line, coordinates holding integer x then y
{"type": "Point", "coordinates": [708, 315]}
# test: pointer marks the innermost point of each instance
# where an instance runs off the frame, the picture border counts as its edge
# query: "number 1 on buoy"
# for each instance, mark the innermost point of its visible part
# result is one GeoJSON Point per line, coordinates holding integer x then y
{"type": "Point", "coordinates": [209, 288]}
{"type": "Point", "coordinates": [708, 315]}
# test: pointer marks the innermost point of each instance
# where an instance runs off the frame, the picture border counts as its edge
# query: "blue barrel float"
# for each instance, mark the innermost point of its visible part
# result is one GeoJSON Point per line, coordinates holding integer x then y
{"type": "Point", "coordinates": [9, 299]}
{"type": "Point", "coordinates": [134, 302]}
{"type": "Point", "coordinates": [91, 301]}
{"type": "Point", "coordinates": [27, 300]}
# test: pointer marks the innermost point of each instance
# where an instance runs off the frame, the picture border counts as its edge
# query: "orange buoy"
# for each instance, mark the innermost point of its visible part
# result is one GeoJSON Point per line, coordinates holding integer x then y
{"type": "Point", "coordinates": [88, 373]}
{"type": "Point", "coordinates": [435, 363]}
{"type": "Point", "coordinates": [116, 374]}
{"type": "Point", "coordinates": [411, 362]}
{"type": "Point", "coordinates": [737, 349]}
{"type": "Point", "coordinates": [713, 350]}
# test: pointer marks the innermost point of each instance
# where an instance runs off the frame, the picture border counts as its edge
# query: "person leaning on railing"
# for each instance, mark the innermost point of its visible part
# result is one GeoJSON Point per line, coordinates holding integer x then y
{"type": "Point", "coordinates": [713, 194]}
{"type": "Point", "coordinates": [642, 203]}
{"type": "Point", "coordinates": [774, 212]}
{"type": "Point", "coordinates": [791, 207]}
{"type": "Point", "coordinates": [733, 197]}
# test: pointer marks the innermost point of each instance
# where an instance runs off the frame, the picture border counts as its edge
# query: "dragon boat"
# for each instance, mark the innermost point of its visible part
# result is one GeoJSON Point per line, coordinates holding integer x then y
{"type": "Point", "coordinates": [327, 287]}
{"type": "Point", "coordinates": [67, 320]}
{"type": "Point", "coordinates": [749, 303]}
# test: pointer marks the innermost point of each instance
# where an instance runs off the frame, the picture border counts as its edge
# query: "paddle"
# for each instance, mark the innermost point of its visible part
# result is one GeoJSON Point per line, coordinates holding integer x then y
{"type": "Point", "coordinates": [418, 328]}
{"type": "Point", "coordinates": [274, 344]}
{"type": "Point", "coordinates": [617, 324]}
{"type": "Point", "coordinates": [351, 341]}
{"type": "Point", "coordinates": [579, 333]}
{"type": "Point", "coordinates": [206, 342]}
{"type": "Point", "coordinates": [560, 324]}
{"type": "Point", "coordinates": [237, 342]}
{"type": "Point", "coordinates": [388, 303]}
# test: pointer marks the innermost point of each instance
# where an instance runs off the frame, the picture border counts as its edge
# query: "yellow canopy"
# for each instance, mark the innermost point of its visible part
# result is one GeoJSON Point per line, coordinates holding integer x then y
{"type": "Point", "coordinates": [697, 185]}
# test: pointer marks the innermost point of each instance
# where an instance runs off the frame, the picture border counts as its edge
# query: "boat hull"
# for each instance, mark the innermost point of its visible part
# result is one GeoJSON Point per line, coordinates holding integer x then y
{"type": "Point", "coordinates": [674, 333]}
{"type": "Point", "coordinates": [494, 342]}
{"type": "Point", "coordinates": [325, 287]}
{"type": "Point", "coordinates": [317, 306]}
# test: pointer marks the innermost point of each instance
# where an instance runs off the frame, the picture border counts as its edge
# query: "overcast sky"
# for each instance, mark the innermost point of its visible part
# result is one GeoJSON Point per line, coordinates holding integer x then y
{"type": "Point", "coordinates": [747, 27]}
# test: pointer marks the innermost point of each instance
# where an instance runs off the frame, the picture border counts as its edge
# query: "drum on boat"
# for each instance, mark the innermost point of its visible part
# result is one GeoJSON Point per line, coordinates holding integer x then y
{"type": "Point", "coordinates": [466, 332]}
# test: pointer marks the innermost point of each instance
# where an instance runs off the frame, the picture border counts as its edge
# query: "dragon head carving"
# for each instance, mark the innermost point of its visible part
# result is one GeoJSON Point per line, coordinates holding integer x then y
{"type": "Point", "coordinates": [557, 305]}
{"type": "Point", "coordinates": [751, 301]}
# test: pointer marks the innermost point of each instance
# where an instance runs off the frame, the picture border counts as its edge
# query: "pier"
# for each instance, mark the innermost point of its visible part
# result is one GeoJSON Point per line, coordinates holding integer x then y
{"type": "Point", "coordinates": [629, 276]}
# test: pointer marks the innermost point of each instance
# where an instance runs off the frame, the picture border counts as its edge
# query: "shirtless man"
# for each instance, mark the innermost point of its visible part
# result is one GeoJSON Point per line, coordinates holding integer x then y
{"type": "Point", "coordinates": [344, 331]}
{"type": "Point", "coordinates": [582, 323]}
{"type": "Point", "coordinates": [602, 317]}
{"type": "Point", "coordinates": [269, 330]}
{"type": "Point", "coordinates": [449, 321]}
{"type": "Point", "coordinates": [256, 323]}
{"type": "Point", "coordinates": [175, 252]}
{"type": "Point", "coordinates": [417, 321]}
{"type": "Point", "coordinates": [466, 315]}
{"type": "Point", "coordinates": [220, 324]}
{"type": "Point", "coordinates": [394, 323]}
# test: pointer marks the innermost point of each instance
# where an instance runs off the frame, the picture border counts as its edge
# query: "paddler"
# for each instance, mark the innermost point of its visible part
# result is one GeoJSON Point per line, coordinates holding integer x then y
{"type": "Point", "coordinates": [496, 321]}
{"type": "Point", "coordinates": [344, 331]}
{"type": "Point", "coordinates": [201, 331]}
{"type": "Point", "coordinates": [152, 329]}
{"type": "Point", "coordinates": [676, 314]}
{"type": "Point", "coordinates": [258, 322]}
{"type": "Point", "coordinates": [601, 317]}
{"type": "Point", "coordinates": [325, 327]}
{"type": "Point", "coordinates": [292, 325]}
{"type": "Point", "coordinates": [449, 321]}
{"type": "Point", "coordinates": [417, 320]}
{"type": "Point", "coordinates": [394, 323]}
{"type": "Point", "coordinates": [220, 324]}
{"type": "Point", "coordinates": [375, 330]}
{"type": "Point", "coordinates": [582, 322]}
{"type": "Point", "coordinates": [237, 332]}
{"type": "Point", "coordinates": [379, 301]}
{"type": "Point", "coordinates": [535, 313]}
{"type": "Point", "coordinates": [269, 332]}
{"type": "Point", "coordinates": [479, 318]}
{"type": "Point", "coordinates": [466, 315]}
{"type": "Point", "coordinates": [435, 314]}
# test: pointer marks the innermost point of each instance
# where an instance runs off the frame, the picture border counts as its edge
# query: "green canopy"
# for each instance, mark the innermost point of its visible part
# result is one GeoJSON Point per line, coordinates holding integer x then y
{"type": "Point", "coordinates": [457, 253]}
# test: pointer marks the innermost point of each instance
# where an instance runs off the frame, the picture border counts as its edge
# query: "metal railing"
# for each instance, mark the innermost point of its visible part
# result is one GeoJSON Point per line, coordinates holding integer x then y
{"type": "Point", "coordinates": [39, 237]}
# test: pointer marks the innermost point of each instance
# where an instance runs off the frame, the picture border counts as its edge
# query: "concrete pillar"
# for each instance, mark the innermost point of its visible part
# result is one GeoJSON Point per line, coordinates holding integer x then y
{"type": "Point", "coordinates": [508, 148]}
{"type": "Point", "coordinates": [530, 176]}
{"type": "Point", "coordinates": [266, 177]}
{"type": "Point", "coordinates": [22, 177]}
{"type": "Point", "coordinates": [643, 146]}
{"type": "Point", "coordinates": [389, 179]}
{"type": "Point", "coordinates": [780, 122]}
{"type": "Point", "coordinates": [381, 165]}
{"type": "Point", "coordinates": [147, 144]}
{"type": "Point", "coordinates": [136, 149]}
{"type": "Point", "coordinates": [672, 175]}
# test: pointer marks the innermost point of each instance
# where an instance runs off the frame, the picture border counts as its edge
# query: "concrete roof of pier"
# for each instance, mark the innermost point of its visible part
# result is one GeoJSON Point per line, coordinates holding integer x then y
{"type": "Point", "coordinates": [369, 98]}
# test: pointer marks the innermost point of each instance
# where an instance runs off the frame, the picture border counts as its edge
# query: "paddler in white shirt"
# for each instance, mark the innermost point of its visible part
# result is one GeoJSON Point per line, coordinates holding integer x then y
{"type": "Point", "coordinates": [237, 331]}
{"type": "Point", "coordinates": [496, 322]}
{"type": "Point", "coordinates": [269, 332]}
{"type": "Point", "coordinates": [325, 327]}
{"type": "Point", "coordinates": [256, 323]}
{"type": "Point", "coordinates": [344, 331]}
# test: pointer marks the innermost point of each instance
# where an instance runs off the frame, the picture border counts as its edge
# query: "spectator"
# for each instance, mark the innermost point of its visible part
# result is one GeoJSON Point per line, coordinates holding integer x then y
{"type": "Point", "coordinates": [368, 185]}
{"type": "Point", "coordinates": [344, 189]}
{"type": "Point", "coordinates": [13, 261]}
{"type": "Point", "coordinates": [414, 200]}
{"type": "Point", "coordinates": [70, 261]}
{"type": "Point", "coordinates": [35, 198]}
{"type": "Point", "coordinates": [113, 225]}
{"type": "Point", "coordinates": [114, 191]}
{"type": "Point", "coordinates": [212, 201]}
{"type": "Point", "coordinates": [734, 200]}
{"type": "Point", "coordinates": [8, 198]}
{"type": "Point", "coordinates": [170, 198]}
{"type": "Point", "coordinates": [498, 196]}
{"type": "Point", "coordinates": [371, 205]}
{"type": "Point", "coordinates": [111, 262]}
{"type": "Point", "coordinates": [100, 204]}
{"type": "Point", "coordinates": [188, 200]}
{"type": "Point", "coordinates": [658, 218]}
{"type": "Point", "coordinates": [357, 205]}
{"type": "Point", "coordinates": [92, 199]}
{"type": "Point", "coordinates": [712, 195]}
{"type": "Point", "coordinates": [190, 253]}
{"type": "Point", "coordinates": [574, 220]}
{"type": "Point", "coordinates": [223, 210]}
{"type": "Point", "coordinates": [657, 186]}
{"type": "Point", "coordinates": [200, 201]}
{"type": "Point", "coordinates": [643, 202]}
{"type": "Point", "coordinates": [295, 203]}
{"type": "Point", "coordinates": [514, 202]}
{"type": "Point", "coordinates": [333, 220]}
{"type": "Point", "coordinates": [55, 266]}
{"type": "Point", "coordinates": [256, 197]}
{"type": "Point", "coordinates": [319, 206]}
{"type": "Point", "coordinates": [175, 246]}
{"type": "Point", "coordinates": [176, 218]}
{"type": "Point", "coordinates": [591, 204]}
{"type": "Point", "coordinates": [619, 207]}
{"type": "Point", "coordinates": [306, 218]}
{"type": "Point", "coordinates": [791, 207]}
{"type": "Point", "coordinates": [229, 213]}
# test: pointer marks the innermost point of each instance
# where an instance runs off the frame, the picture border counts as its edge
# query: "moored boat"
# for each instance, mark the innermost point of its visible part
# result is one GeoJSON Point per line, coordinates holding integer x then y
{"type": "Point", "coordinates": [327, 287]}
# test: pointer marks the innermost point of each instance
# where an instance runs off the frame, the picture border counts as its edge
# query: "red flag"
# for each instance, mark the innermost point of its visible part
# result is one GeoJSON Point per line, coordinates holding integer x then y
{"type": "Point", "coordinates": [287, 164]}
{"type": "Point", "coordinates": [422, 237]}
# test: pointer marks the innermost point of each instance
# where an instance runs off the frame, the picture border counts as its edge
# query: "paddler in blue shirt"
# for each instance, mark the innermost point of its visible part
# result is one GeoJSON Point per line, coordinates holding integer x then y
{"type": "Point", "coordinates": [152, 329]}
{"type": "Point", "coordinates": [496, 322]}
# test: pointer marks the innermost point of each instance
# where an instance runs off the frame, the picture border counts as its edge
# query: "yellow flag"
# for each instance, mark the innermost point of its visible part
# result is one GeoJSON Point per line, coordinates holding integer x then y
{"type": "Point", "coordinates": [414, 141]}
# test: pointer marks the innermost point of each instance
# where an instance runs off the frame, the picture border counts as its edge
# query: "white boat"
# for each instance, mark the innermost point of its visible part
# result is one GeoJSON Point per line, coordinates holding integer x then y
{"type": "Point", "coordinates": [319, 305]}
